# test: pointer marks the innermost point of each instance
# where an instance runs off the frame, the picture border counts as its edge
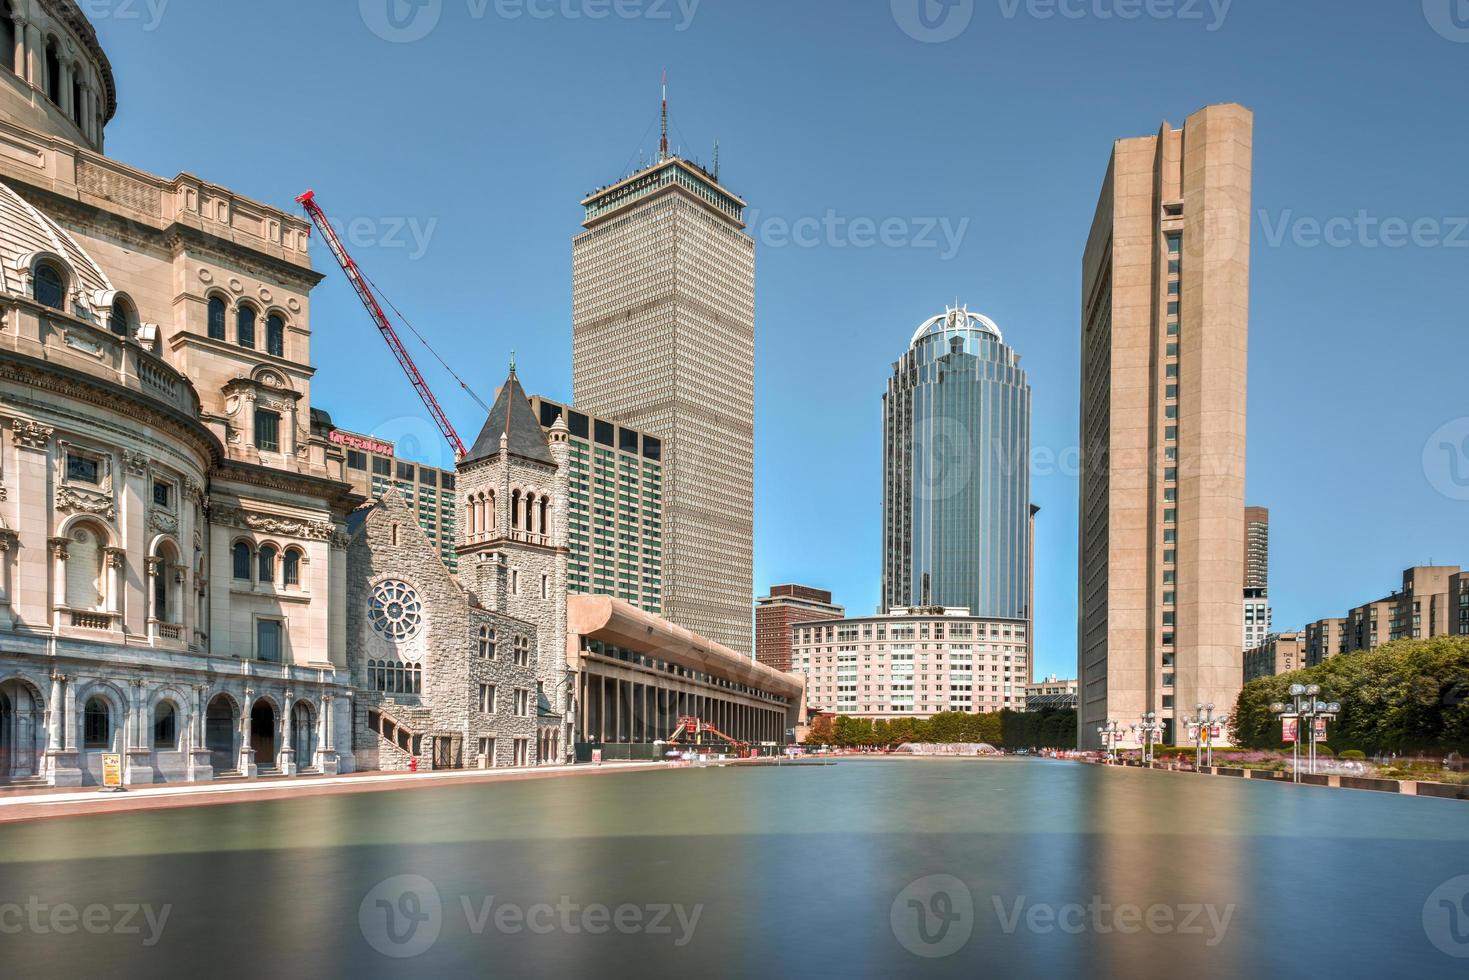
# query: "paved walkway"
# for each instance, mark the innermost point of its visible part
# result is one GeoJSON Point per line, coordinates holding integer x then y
{"type": "Point", "coordinates": [52, 802]}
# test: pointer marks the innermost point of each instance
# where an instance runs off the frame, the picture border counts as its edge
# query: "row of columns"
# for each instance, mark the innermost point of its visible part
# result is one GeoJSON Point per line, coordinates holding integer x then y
{"type": "Point", "coordinates": [30, 63]}
{"type": "Point", "coordinates": [617, 710]}
{"type": "Point", "coordinates": [132, 736]}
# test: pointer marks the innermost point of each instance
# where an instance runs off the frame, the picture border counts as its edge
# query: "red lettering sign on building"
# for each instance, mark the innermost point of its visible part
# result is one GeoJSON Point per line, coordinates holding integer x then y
{"type": "Point", "coordinates": [362, 443]}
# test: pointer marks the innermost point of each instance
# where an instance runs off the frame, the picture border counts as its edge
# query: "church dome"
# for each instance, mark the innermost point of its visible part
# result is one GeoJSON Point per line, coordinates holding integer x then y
{"type": "Point", "coordinates": [29, 238]}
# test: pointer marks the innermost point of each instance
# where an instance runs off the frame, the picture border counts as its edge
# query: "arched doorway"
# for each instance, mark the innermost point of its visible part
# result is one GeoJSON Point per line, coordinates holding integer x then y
{"type": "Point", "coordinates": [22, 729]}
{"type": "Point", "coordinates": [303, 735]}
{"type": "Point", "coordinates": [262, 734]}
{"type": "Point", "coordinates": [219, 734]}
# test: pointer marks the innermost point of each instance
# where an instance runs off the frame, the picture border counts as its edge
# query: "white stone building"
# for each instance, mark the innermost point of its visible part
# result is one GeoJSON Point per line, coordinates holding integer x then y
{"type": "Point", "coordinates": [173, 580]}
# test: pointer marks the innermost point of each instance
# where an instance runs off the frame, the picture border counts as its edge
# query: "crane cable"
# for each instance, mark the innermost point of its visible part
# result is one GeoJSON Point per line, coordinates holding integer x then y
{"type": "Point", "coordinates": [425, 343]}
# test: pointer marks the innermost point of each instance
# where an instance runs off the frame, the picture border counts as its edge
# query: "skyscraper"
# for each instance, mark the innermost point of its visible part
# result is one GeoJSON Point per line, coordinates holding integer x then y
{"type": "Point", "coordinates": [663, 313]}
{"type": "Point", "coordinates": [1257, 576]}
{"type": "Point", "coordinates": [956, 473]}
{"type": "Point", "coordinates": [1164, 333]}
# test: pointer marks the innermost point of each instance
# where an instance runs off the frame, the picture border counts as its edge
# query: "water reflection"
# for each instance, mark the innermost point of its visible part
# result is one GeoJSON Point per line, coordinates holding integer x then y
{"type": "Point", "coordinates": [741, 872]}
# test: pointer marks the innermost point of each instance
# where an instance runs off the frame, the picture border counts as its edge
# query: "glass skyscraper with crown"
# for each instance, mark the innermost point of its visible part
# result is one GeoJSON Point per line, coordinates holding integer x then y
{"type": "Point", "coordinates": [957, 519]}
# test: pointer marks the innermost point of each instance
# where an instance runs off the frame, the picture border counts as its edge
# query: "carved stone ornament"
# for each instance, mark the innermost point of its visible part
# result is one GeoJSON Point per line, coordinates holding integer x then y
{"type": "Point", "coordinates": [135, 462]}
{"type": "Point", "coordinates": [31, 435]}
{"type": "Point", "coordinates": [70, 500]}
{"type": "Point", "coordinates": [165, 522]}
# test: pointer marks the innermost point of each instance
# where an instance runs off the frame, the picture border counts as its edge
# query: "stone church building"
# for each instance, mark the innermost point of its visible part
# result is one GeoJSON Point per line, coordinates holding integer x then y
{"type": "Point", "coordinates": [468, 670]}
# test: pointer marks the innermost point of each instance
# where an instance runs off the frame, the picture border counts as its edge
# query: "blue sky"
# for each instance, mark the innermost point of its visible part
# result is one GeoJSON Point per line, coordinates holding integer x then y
{"type": "Point", "coordinates": [456, 160]}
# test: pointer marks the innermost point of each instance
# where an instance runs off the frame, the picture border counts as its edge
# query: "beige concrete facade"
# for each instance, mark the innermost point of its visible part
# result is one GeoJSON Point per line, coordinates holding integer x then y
{"type": "Point", "coordinates": [1165, 294]}
{"type": "Point", "coordinates": [913, 663]}
{"type": "Point", "coordinates": [1324, 638]}
{"type": "Point", "coordinates": [1433, 601]}
{"type": "Point", "coordinates": [1281, 653]}
{"type": "Point", "coordinates": [663, 310]}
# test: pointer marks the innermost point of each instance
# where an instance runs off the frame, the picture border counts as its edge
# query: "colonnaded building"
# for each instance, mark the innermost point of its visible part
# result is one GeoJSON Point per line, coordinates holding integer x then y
{"type": "Point", "coordinates": [188, 579]}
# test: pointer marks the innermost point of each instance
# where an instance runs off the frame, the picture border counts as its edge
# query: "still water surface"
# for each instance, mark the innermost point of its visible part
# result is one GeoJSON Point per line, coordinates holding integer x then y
{"type": "Point", "coordinates": [891, 868]}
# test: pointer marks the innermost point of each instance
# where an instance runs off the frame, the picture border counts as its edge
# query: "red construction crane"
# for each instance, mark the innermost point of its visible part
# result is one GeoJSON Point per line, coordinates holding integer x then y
{"type": "Point", "coordinates": [359, 282]}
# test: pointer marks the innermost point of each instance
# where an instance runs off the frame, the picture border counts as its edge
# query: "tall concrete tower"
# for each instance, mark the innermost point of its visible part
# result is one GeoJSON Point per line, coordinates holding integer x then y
{"type": "Point", "coordinates": [1164, 338]}
{"type": "Point", "coordinates": [663, 312]}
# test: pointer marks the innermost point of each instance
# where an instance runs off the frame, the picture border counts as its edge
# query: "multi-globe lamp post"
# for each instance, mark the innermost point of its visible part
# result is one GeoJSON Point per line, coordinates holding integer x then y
{"type": "Point", "coordinates": [1305, 707]}
{"type": "Point", "coordinates": [1110, 733]}
{"type": "Point", "coordinates": [1148, 729]}
{"type": "Point", "coordinates": [1203, 724]}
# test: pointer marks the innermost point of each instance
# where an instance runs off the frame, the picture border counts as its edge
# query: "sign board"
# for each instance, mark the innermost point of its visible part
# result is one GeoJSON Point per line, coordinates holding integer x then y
{"type": "Point", "coordinates": [597, 756]}
{"type": "Point", "coordinates": [1217, 733]}
{"type": "Point", "coordinates": [361, 442]}
{"type": "Point", "coordinates": [1193, 733]}
{"type": "Point", "coordinates": [1289, 727]}
{"type": "Point", "coordinates": [1320, 729]}
{"type": "Point", "coordinates": [111, 771]}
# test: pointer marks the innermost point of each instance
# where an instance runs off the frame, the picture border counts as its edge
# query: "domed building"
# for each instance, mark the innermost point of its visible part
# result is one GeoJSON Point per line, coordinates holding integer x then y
{"type": "Point", "coordinates": [172, 533]}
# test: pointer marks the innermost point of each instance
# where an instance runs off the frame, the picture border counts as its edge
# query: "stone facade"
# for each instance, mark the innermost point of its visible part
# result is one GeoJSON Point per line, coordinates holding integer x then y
{"type": "Point", "coordinates": [427, 675]}
{"type": "Point", "coordinates": [173, 576]}
{"type": "Point", "coordinates": [513, 504]}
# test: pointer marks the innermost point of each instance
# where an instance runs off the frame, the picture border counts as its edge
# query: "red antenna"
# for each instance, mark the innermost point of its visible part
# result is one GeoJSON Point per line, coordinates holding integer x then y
{"type": "Point", "coordinates": [663, 143]}
{"type": "Point", "coordinates": [359, 282]}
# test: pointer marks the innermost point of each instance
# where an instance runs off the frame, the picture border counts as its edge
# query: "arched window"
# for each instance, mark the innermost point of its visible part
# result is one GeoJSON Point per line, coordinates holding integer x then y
{"type": "Point", "coordinates": [160, 592]}
{"type": "Point", "coordinates": [515, 509]}
{"type": "Point", "coordinates": [275, 336]}
{"type": "Point", "coordinates": [543, 515]}
{"type": "Point", "coordinates": [165, 726]}
{"type": "Point", "coordinates": [50, 286]}
{"type": "Point", "coordinates": [291, 567]}
{"type": "Point", "coordinates": [120, 322]}
{"type": "Point", "coordinates": [267, 563]}
{"type": "Point", "coordinates": [216, 318]}
{"type": "Point", "coordinates": [53, 72]}
{"type": "Point", "coordinates": [245, 327]}
{"type": "Point", "coordinates": [76, 94]}
{"type": "Point", "coordinates": [241, 554]}
{"type": "Point", "coordinates": [97, 725]}
{"type": "Point", "coordinates": [84, 577]}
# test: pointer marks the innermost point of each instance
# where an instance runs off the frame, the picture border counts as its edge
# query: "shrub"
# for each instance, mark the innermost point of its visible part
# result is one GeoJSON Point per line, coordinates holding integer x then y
{"type": "Point", "coordinates": [1356, 755]}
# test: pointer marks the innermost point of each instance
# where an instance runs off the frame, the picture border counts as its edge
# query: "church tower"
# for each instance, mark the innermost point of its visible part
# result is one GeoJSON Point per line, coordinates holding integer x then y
{"type": "Point", "coordinates": [512, 490]}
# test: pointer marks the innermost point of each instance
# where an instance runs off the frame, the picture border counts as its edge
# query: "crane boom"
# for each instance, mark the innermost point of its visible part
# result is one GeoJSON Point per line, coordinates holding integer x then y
{"type": "Point", "coordinates": [359, 282]}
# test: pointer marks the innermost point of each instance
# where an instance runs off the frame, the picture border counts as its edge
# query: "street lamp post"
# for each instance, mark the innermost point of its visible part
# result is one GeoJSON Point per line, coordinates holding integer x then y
{"type": "Point", "coordinates": [1110, 733]}
{"type": "Point", "coordinates": [1148, 729]}
{"type": "Point", "coordinates": [1306, 708]}
{"type": "Point", "coordinates": [1203, 724]}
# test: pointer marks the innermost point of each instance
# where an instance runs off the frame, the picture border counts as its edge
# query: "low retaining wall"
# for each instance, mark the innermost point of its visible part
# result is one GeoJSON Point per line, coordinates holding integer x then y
{"type": "Point", "coordinates": [1405, 787]}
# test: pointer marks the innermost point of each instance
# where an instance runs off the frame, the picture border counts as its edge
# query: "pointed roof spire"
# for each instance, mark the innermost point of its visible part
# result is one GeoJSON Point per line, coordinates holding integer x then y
{"type": "Point", "coordinates": [511, 424]}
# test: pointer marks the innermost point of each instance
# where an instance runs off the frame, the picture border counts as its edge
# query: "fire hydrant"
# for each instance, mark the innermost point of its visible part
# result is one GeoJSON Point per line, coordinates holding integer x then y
{"type": "Point", "coordinates": [413, 764]}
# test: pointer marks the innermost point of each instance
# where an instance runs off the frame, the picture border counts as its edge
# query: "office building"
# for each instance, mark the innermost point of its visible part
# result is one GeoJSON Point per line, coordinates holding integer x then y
{"type": "Point", "coordinates": [663, 311]}
{"type": "Point", "coordinates": [1164, 337]}
{"type": "Point", "coordinates": [1325, 638]}
{"type": "Point", "coordinates": [1258, 614]}
{"type": "Point", "coordinates": [371, 466]}
{"type": "Point", "coordinates": [1278, 653]}
{"type": "Point", "coordinates": [956, 474]}
{"type": "Point", "coordinates": [912, 663]}
{"type": "Point", "coordinates": [782, 608]}
{"type": "Point", "coordinates": [615, 507]}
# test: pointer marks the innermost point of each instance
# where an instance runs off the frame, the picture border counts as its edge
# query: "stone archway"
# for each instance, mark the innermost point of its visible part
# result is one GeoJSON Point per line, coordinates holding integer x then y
{"type": "Point", "coordinates": [263, 733]}
{"type": "Point", "coordinates": [219, 734]}
{"type": "Point", "coordinates": [22, 731]}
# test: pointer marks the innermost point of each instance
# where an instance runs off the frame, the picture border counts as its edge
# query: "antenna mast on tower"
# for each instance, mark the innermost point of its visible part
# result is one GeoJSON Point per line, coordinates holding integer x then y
{"type": "Point", "coordinates": [663, 142]}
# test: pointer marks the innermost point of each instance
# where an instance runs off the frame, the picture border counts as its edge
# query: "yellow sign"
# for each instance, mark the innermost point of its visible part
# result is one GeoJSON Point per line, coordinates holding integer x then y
{"type": "Point", "coordinates": [112, 771]}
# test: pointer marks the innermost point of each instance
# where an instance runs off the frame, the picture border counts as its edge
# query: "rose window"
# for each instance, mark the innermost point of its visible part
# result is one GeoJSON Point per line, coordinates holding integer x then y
{"type": "Point", "coordinates": [396, 611]}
